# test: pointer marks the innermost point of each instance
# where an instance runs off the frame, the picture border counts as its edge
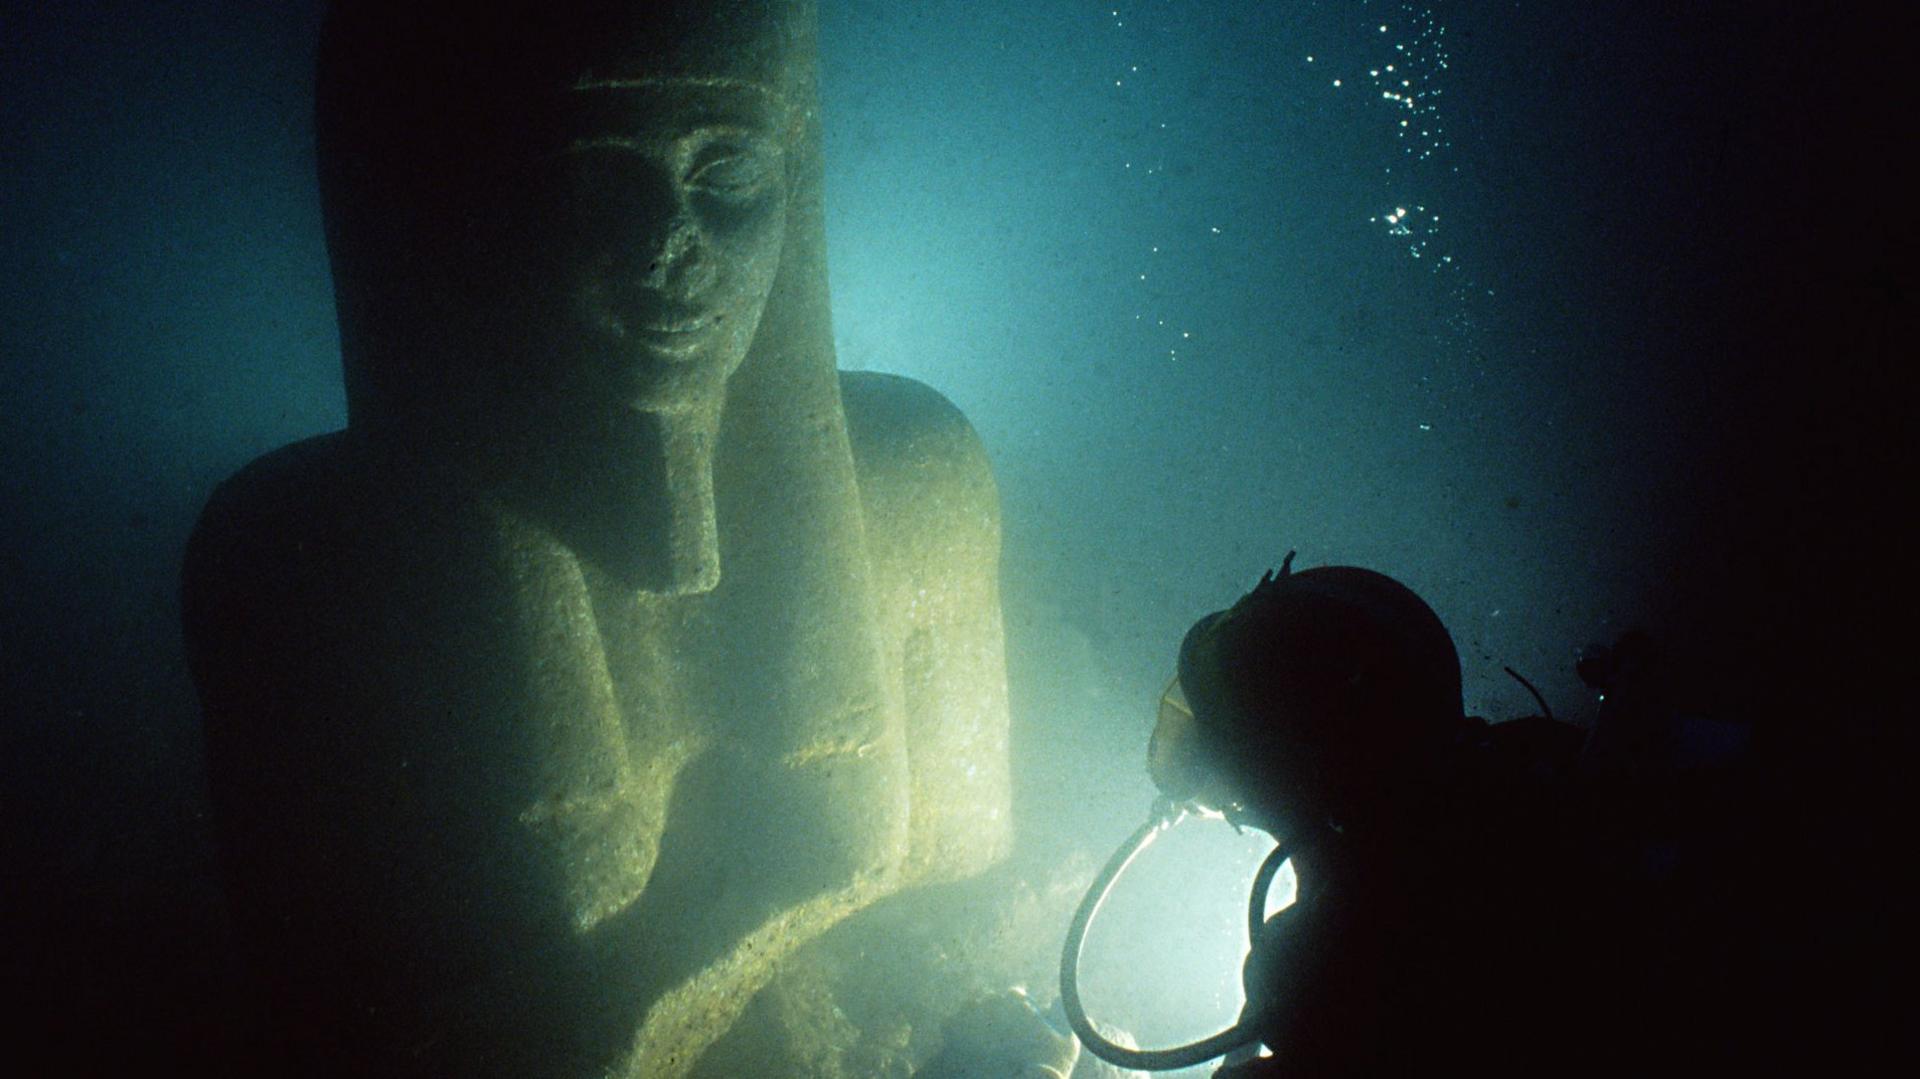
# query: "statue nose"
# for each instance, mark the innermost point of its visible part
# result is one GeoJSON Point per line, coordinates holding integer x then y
{"type": "Point", "coordinates": [677, 262]}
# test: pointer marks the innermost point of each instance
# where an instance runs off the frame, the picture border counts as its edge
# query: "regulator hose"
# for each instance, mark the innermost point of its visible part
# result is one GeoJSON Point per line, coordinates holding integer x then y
{"type": "Point", "coordinates": [1164, 815]}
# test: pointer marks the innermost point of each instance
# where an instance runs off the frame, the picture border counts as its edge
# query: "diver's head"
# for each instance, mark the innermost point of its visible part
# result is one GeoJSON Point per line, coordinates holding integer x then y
{"type": "Point", "coordinates": [1308, 702]}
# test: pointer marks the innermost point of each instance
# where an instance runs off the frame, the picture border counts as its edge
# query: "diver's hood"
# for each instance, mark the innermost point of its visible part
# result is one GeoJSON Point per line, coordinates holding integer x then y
{"type": "Point", "coordinates": [1337, 669]}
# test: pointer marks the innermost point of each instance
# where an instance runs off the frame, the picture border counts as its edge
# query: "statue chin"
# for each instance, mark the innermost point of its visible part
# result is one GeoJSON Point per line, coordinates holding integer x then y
{"type": "Point", "coordinates": [652, 384]}
{"type": "Point", "coordinates": [652, 372]}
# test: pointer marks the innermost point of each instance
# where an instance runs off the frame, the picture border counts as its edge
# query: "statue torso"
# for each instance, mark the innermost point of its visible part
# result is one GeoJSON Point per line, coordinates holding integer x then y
{"type": "Point", "coordinates": [516, 772]}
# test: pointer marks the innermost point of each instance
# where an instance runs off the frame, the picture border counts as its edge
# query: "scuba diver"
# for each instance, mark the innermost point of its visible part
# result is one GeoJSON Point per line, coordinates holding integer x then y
{"type": "Point", "coordinates": [1462, 900]}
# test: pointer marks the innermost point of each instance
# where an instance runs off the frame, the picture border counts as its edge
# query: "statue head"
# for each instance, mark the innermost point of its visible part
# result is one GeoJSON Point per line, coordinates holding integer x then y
{"type": "Point", "coordinates": [666, 236]}
{"type": "Point", "coordinates": [559, 228]}
{"type": "Point", "coordinates": [573, 207]}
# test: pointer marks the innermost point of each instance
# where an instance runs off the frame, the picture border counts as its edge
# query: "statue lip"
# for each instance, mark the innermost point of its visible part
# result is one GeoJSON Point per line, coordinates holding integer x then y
{"type": "Point", "coordinates": [676, 326]}
{"type": "Point", "coordinates": [668, 332]}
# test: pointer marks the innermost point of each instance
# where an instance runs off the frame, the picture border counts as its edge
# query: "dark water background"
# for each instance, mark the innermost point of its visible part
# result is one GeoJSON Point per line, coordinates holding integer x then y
{"type": "Point", "coordinates": [1647, 369]}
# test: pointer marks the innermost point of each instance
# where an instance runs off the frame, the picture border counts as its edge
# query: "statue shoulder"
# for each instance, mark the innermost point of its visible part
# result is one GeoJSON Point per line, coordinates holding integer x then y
{"type": "Point", "coordinates": [920, 464]}
{"type": "Point", "coordinates": [933, 537]}
{"type": "Point", "coordinates": [273, 506]}
{"type": "Point", "coordinates": [311, 528]}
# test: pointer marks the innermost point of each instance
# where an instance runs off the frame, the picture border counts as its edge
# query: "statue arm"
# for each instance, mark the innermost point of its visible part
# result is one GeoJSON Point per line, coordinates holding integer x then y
{"type": "Point", "coordinates": [933, 534]}
{"type": "Point", "coordinates": [376, 758]}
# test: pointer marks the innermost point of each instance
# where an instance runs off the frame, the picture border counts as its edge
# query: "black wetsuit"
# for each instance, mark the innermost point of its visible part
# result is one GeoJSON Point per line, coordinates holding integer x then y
{"type": "Point", "coordinates": [1477, 929]}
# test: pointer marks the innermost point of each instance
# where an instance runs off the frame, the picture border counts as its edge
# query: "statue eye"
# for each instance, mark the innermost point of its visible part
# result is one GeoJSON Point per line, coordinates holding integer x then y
{"type": "Point", "coordinates": [734, 172]}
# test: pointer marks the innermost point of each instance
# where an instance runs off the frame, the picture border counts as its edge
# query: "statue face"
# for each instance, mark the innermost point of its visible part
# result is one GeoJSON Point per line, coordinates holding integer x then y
{"type": "Point", "coordinates": [672, 198]}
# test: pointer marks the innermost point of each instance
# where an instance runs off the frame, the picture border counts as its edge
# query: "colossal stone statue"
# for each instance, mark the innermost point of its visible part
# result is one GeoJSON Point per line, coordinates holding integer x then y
{"type": "Point", "coordinates": [619, 646]}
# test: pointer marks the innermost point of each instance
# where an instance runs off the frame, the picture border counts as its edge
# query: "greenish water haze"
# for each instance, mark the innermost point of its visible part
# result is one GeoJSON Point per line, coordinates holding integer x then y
{"type": "Point", "coordinates": [1609, 342]}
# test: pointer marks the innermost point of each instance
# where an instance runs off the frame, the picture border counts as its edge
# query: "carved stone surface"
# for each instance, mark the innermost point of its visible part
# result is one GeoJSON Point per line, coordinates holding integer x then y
{"type": "Point", "coordinates": [607, 657]}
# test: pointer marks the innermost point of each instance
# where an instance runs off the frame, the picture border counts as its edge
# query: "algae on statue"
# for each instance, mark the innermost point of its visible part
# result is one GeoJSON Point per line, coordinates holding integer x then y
{"type": "Point", "coordinates": [619, 646]}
